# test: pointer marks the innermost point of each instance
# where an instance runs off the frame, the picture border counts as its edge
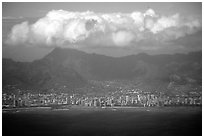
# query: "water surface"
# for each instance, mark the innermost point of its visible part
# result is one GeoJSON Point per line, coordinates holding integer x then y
{"type": "Point", "coordinates": [168, 121]}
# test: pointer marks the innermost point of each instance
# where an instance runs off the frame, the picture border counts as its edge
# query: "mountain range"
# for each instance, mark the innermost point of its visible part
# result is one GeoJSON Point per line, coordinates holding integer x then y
{"type": "Point", "coordinates": [71, 68]}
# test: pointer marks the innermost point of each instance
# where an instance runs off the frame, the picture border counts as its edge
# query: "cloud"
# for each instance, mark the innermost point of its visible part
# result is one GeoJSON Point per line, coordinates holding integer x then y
{"type": "Point", "coordinates": [19, 34]}
{"type": "Point", "coordinates": [150, 12]}
{"type": "Point", "coordinates": [59, 28]}
{"type": "Point", "coordinates": [164, 23]}
{"type": "Point", "coordinates": [122, 38]}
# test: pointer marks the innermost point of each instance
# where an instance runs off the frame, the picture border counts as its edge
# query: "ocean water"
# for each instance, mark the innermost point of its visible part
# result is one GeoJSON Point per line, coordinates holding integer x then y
{"type": "Point", "coordinates": [167, 121]}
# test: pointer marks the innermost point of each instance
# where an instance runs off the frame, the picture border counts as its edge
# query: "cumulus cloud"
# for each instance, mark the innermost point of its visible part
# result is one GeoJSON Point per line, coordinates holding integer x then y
{"type": "Point", "coordinates": [150, 12]}
{"type": "Point", "coordinates": [19, 34]}
{"type": "Point", "coordinates": [122, 38]}
{"type": "Point", "coordinates": [165, 22]}
{"type": "Point", "coordinates": [59, 28]}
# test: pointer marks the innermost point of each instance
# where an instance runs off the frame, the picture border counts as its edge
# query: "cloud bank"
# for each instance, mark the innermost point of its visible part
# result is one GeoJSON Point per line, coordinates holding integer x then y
{"type": "Point", "coordinates": [60, 28]}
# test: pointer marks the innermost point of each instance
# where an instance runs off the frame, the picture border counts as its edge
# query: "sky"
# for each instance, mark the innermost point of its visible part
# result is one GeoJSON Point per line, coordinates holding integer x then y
{"type": "Point", "coordinates": [32, 30]}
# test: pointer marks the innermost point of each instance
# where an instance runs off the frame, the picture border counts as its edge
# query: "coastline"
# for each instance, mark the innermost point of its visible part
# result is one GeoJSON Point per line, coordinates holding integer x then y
{"type": "Point", "coordinates": [115, 108]}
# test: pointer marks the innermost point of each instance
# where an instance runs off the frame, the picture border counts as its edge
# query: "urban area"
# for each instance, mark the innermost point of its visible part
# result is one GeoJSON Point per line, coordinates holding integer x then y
{"type": "Point", "coordinates": [134, 97]}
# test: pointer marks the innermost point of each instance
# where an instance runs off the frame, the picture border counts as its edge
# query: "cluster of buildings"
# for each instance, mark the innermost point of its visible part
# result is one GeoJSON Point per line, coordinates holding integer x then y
{"type": "Point", "coordinates": [130, 98]}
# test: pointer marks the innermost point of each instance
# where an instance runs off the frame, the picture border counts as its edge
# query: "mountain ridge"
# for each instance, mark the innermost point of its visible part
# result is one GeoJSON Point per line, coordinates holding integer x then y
{"type": "Point", "coordinates": [72, 68]}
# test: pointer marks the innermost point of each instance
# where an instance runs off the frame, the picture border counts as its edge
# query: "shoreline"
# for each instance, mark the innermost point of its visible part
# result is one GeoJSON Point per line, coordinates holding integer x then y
{"type": "Point", "coordinates": [115, 108]}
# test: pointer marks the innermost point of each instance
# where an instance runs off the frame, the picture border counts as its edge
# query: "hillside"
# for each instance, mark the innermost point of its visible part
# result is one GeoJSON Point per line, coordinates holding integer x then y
{"type": "Point", "coordinates": [70, 68]}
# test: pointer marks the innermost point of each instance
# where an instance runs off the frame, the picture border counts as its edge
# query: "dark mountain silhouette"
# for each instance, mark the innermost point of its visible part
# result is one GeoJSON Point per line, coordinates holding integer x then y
{"type": "Point", "coordinates": [74, 68]}
{"type": "Point", "coordinates": [39, 74]}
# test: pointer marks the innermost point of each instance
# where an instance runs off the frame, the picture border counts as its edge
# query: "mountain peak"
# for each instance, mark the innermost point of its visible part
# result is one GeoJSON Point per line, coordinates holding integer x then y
{"type": "Point", "coordinates": [60, 54]}
{"type": "Point", "coordinates": [66, 65]}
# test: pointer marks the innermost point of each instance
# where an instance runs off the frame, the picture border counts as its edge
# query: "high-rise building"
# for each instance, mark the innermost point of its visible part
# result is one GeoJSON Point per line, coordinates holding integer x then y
{"type": "Point", "coordinates": [14, 100]}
